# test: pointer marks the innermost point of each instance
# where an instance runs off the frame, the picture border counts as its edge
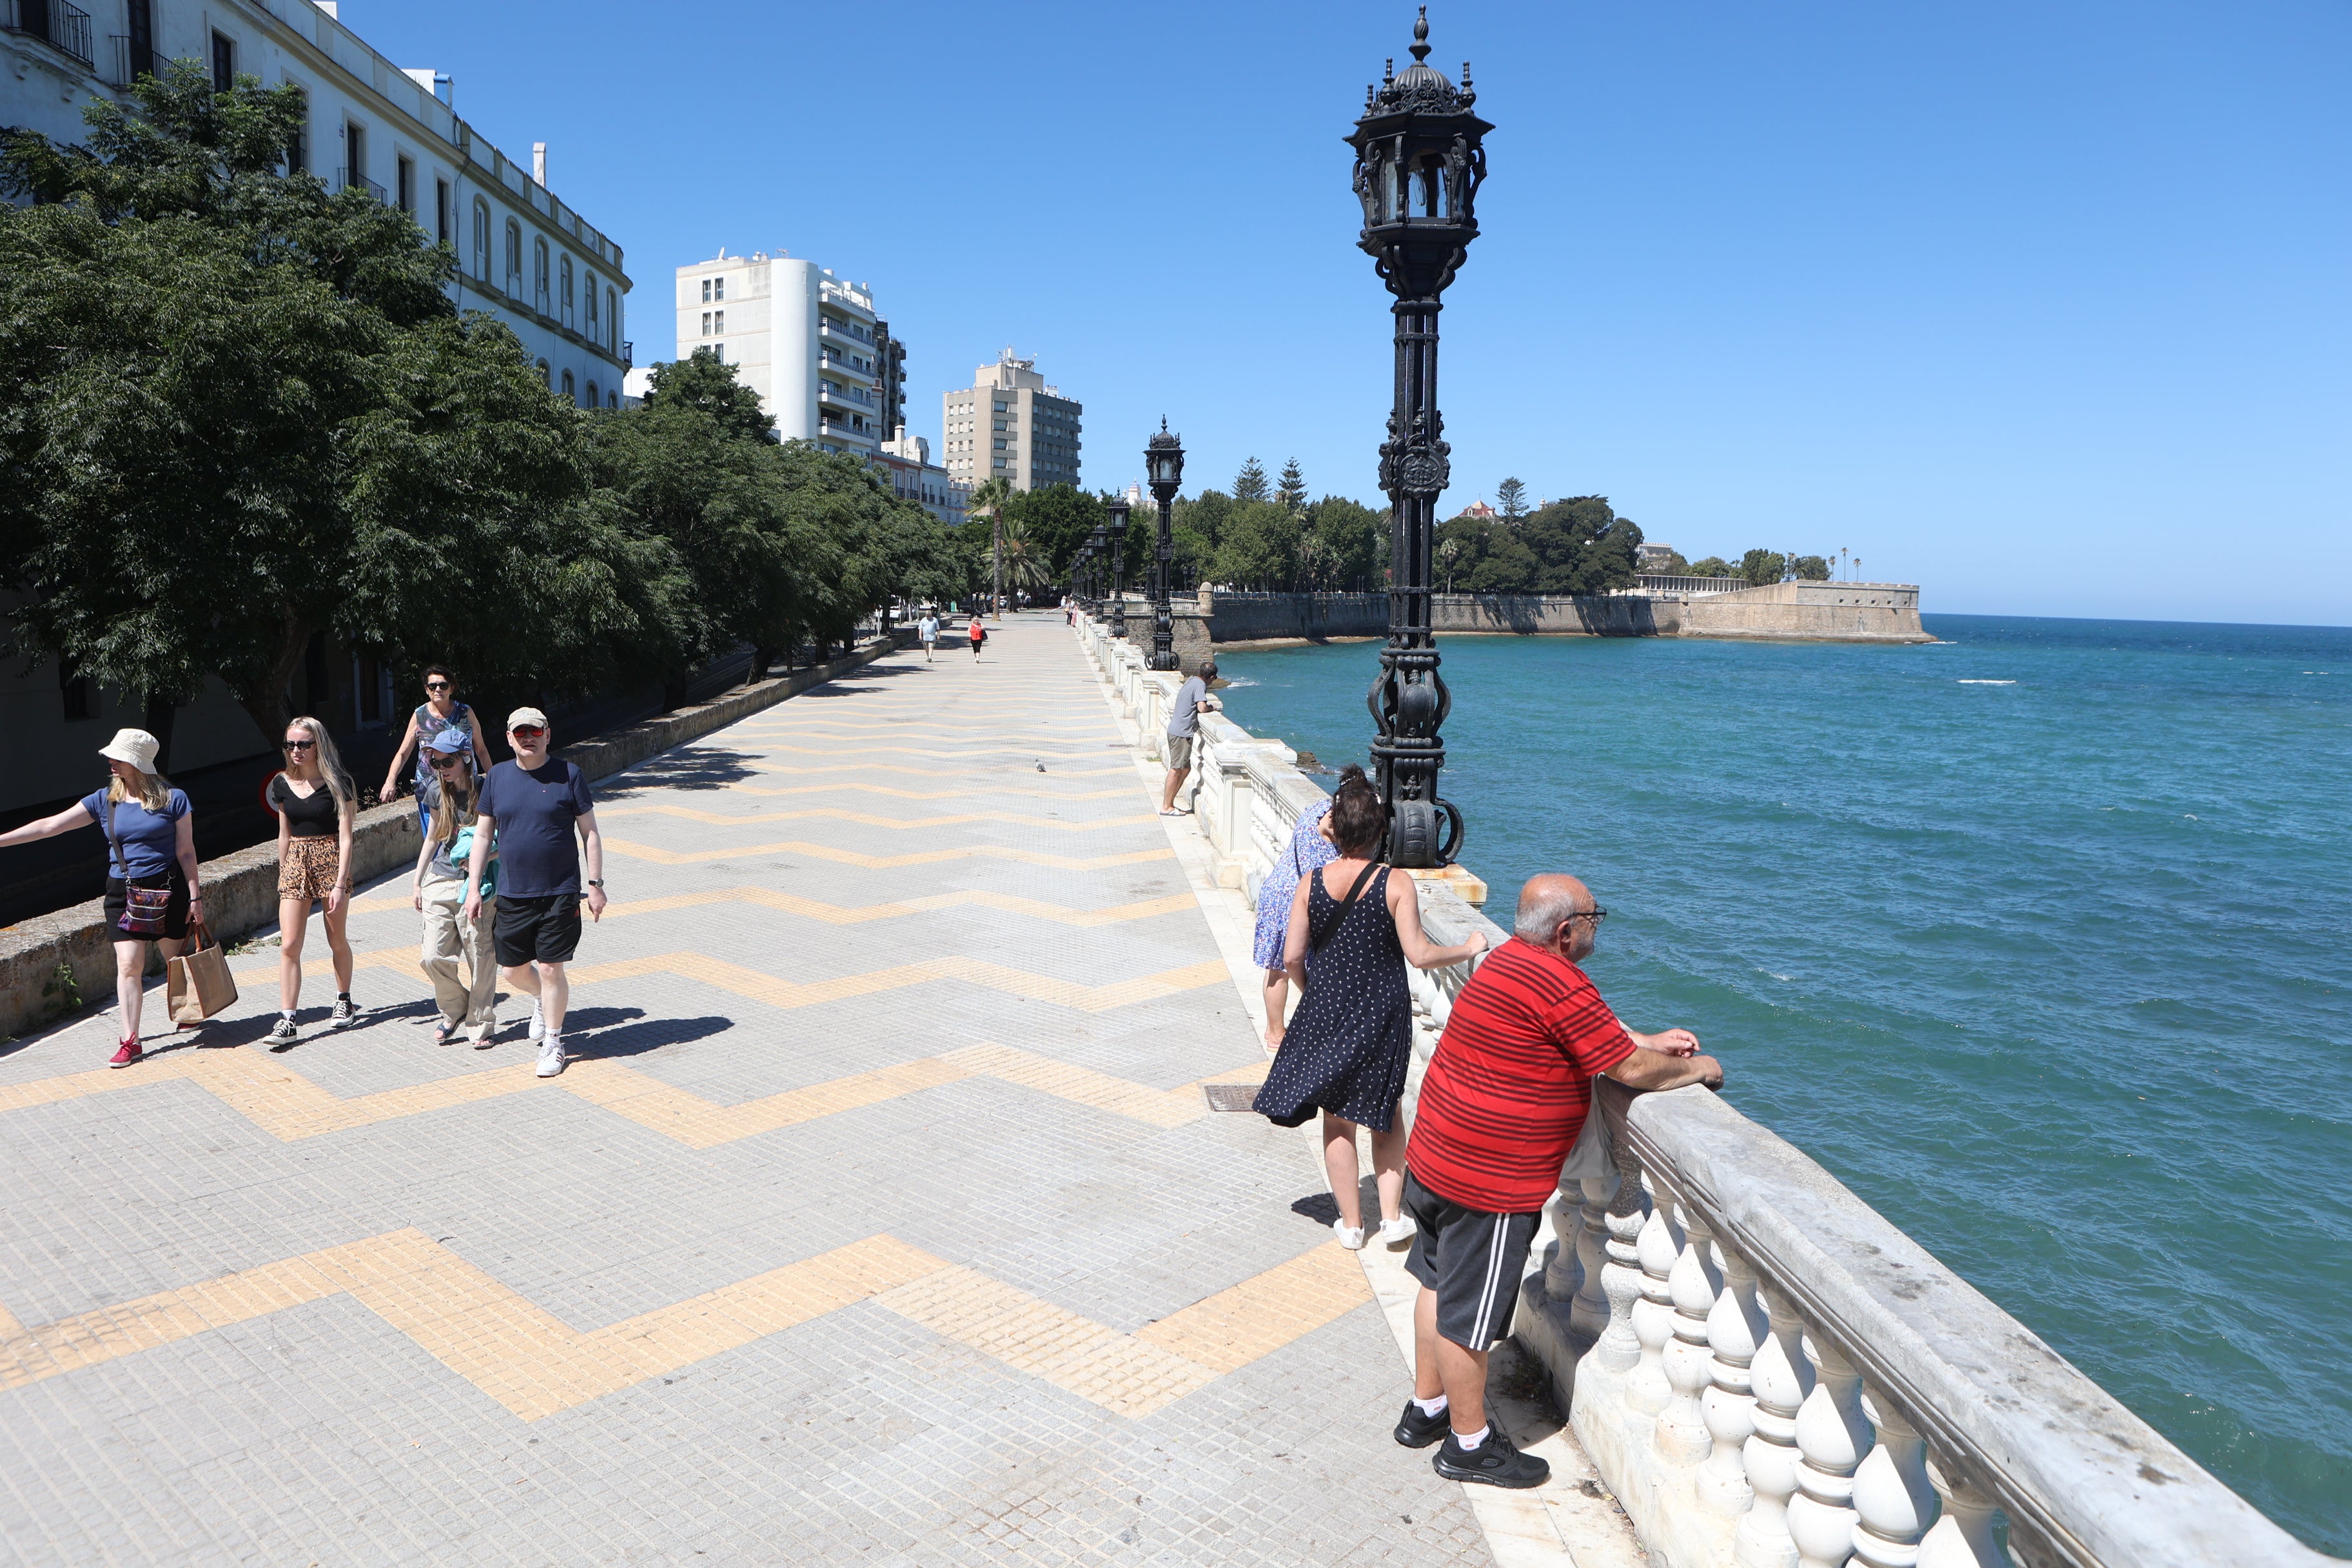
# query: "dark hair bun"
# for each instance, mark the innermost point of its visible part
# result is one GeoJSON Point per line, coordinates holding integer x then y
{"type": "Point", "coordinates": [1357, 818]}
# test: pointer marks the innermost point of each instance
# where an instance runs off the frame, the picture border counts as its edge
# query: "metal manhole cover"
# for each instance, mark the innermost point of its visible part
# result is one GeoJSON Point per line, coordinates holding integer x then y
{"type": "Point", "coordinates": [1231, 1096]}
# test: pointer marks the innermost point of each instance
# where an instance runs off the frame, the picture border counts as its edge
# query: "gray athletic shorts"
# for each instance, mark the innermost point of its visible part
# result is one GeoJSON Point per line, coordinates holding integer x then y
{"type": "Point", "coordinates": [1180, 751]}
{"type": "Point", "coordinates": [1474, 1260]}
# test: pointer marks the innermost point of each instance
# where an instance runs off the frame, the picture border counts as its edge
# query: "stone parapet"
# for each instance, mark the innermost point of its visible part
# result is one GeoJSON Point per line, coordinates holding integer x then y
{"type": "Point", "coordinates": [1817, 612]}
{"type": "Point", "coordinates": [44, 962]}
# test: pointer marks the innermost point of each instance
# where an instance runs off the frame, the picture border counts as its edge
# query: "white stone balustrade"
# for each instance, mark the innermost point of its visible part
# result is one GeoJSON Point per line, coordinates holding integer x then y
{"type": "Point", "coordinates": [1763, 1370]}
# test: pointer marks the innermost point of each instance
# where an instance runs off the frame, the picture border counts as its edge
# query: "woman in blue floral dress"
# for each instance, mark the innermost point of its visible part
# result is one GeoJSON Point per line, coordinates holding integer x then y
{"type": "Point", "coordinates": [1308, 851]}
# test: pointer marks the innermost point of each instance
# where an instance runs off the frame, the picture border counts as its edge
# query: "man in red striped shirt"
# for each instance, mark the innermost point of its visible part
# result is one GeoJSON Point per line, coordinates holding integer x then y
{"type": "Point", "coordinates": [1503, 1103]}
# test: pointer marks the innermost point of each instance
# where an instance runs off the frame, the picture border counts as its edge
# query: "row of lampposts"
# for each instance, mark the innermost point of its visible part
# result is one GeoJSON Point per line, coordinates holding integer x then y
{"type": "Point", "coordinates": [1419, 163]}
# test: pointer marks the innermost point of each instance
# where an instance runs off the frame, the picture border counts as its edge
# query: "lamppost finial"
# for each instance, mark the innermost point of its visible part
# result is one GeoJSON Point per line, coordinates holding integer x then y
{"type": "Point", "coordinates": [1420, 37]}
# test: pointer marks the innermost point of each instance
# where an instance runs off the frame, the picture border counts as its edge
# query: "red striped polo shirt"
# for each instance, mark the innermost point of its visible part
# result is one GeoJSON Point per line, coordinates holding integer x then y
{"type": "Point", "coordinates": [1507, 1092]}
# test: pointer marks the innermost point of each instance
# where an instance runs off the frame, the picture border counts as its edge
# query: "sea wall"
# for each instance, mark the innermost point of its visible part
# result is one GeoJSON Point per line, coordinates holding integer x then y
{"type": "Point", "coordinates": [241, 889]}
{"type": "Point", "coordinates": [1761, 1368]}
{"type": "Point", "coordinates": [1821, 612]}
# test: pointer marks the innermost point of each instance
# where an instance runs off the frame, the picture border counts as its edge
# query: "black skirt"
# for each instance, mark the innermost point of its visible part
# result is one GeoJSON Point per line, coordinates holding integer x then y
{"type": "Point", "coordinates": [175, 913]}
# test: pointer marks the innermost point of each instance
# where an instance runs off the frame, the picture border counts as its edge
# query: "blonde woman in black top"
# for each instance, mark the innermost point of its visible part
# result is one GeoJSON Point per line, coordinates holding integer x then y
{"type": "Point", "coordinates": [315, 805]}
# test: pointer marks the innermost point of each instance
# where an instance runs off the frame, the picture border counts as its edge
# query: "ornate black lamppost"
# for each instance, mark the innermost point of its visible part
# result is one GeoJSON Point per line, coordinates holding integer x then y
{"type": "Point", "coordinates": [1082, 578]}
{"type": "Point", "coordinates": [1163, 468]}
{"type": "Point", "coordinates": [1099, 551]}
{"type": "Point", "coordinates": [1118, 510]}
{"type": "Point", "coordinates": [1418, 167]}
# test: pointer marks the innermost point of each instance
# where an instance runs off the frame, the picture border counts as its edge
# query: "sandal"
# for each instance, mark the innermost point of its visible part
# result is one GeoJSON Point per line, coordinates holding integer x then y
{"type": "Point", "coordinates": [443, 1032]}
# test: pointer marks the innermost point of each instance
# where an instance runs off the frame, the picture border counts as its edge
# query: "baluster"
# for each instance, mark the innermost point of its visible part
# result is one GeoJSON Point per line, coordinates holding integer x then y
{"type": "Point", "coordinates": [1893, 1502]}
{"type": "Point", "coordinates": [1619, 1349]}
{"type": "Point", "coordinates": [1659, 1244]}
{"type": "Point", "coordinates": [1833, 1435]}
{"type": "Point", "coordinates": [1588, 1314]}
{"type": "Point", "coordinates": [1564, 1271]}
{"type": "Point", "coordinates": [1734, 1329]}
{"type": "Point", "coordinates": [1782, 1378]}
{"type": "Point", "coordinates": [1963, 1537]}
{"type": "Point", "coordinates": [1682, 1436]}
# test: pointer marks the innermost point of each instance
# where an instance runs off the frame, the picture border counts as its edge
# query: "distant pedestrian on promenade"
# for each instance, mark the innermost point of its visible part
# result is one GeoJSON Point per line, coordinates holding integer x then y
{"type": "Point", "coordinates": [977, 632]}
{"type": "Point", "coordinates": [440, 710]}
{"type": "Point", "coordinates": [532, 805]}
{"type": "Point", "coordinates": [439, 894]}
{"type": "Point", "coordinates": [1501, 1106]}
{"type": "Point", "coordinates": [315, 804]}
{"type": "Point", "coordinates": [1192, 700]}
{"type": "Point", "coordinates": [1309, 851]}
{"type": "Point", "coordinates": [1353, 927]}
{"type": "Point", "coordinates": [153, 893]}
{"type": "Point", "coordinates": [928, 629]}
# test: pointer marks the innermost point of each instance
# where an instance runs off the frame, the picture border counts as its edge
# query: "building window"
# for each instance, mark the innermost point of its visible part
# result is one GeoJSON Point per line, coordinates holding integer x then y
{"type": "Point", "coordinates": [570, 390]}
{"type": "Point", "coordinates": [354, 154]}
{"type": "Point", "coordinates": [545, 380]}
{"type": "Point", "coordinates": [706, 291]}
{"type": "Point", "coordinates": [224, 62]}
{"type": "Point", "coordinates": [612, 318]}
{"type": "Point", "coordinates": [706, 324]}
{"type": "Point", "coordinates": [482, 239]}
{"type": "Point", "coordinates": [564, 273]}
{"type": "Point", "coordinates": [298, 152]}
{"type": "Point", "coordinates": [441, 219]}
{"type": "Point", "coordinates": [539, 273]}
{"type": "Point", "coordinates": [613, 400]}
{"type": "Point", "coordinates": [514, 257]}
{"type": "Point", "coordinates": [404, 184]}
{"type": "Point", "coordinates": [594, 402]}
{"type": "Point", "coordinates": [718, 321]}
{"type": "Point", "coordinates": [718, 288]}
{"type": "Point", "coordinates": [594, 334]}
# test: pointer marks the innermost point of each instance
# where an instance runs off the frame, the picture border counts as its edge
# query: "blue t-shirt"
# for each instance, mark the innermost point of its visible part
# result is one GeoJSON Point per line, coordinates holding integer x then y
{"type": "Point", "coordinates": [151, 844]}
{"type": "Point", "coordinates": [535, 810]}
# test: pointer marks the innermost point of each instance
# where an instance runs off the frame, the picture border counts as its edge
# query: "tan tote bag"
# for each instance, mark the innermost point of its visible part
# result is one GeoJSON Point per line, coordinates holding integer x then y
{"type": "Point", "coordinates": [197, 984]}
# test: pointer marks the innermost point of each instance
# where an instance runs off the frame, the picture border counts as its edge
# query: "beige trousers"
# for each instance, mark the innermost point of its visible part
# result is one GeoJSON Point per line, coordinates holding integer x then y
{"type": "Point", "coordinates": [448, 937]}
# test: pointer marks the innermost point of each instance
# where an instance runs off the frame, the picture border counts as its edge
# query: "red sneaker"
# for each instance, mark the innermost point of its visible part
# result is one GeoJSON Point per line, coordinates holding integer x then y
{"type": "Point", "coordinates": [129, 1053]}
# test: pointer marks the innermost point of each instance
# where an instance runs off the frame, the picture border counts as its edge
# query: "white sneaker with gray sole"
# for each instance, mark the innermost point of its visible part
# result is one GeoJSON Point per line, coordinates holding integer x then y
{"type": "Point", "coordinates": [551, 1056]}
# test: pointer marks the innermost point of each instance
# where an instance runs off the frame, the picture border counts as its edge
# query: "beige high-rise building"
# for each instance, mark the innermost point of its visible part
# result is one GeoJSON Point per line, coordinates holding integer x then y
{"type": "Point", "coordinates": [1009, 425]}
{"type": "Point", "coordinates": [804, 339]}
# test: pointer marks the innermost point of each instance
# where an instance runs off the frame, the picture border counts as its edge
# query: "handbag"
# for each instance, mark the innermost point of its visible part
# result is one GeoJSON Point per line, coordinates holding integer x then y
{"type": "Point", "coordinates": [143, 909]}
{"type": "Point", "coordinates": [197, 984]}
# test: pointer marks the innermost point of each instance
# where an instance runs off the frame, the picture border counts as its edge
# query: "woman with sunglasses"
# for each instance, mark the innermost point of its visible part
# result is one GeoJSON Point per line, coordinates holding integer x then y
{"type": "Point", "coordinates": [440, 710]}
{"type": "Point", "coordinates": [439, 894]}
{"type": "Point", "coordinates": [151, 848]}
{"type": "Point", "coordinates": [315, 804]}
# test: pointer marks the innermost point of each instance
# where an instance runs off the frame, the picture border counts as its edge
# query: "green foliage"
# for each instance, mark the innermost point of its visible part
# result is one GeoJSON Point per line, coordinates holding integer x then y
{"type": "Point", "coordinates": [1291, 493]}
{"type": "Point", "coordinates": [1712, 566]}
{"type": "Point", "coordinates": [1355, 541]}
{"type": "Point", "coordinates": [62, 992]}
{"type": "Point", "coordinates": [1674, 565]}
{"type": "Point", "coordinates": [1250, 483]}
{"type": "Point", "coordinates": [1056, 520]}
{"type": "Point", "coordinates": [709, 387]}
{"type": "Point", "coordinates": [1575, 546]}
{"type": "Point", "coordinates": [1511, 499]}
{"type": "Point", "coordinates": [1258, 548]}
{"type": "Point", "coordinates": [1810, 569]}
{"type": "Point", "coordinates": [1762, 566]}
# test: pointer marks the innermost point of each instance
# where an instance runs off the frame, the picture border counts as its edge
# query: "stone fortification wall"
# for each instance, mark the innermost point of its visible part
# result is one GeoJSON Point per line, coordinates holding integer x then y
{"type": "Point", "coordinates": [241, 889]}
{"type": "Point", "coordinates": [1827, 612]}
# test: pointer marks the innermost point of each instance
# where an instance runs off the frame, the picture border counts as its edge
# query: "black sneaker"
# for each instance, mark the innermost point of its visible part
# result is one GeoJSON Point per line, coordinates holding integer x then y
{"type": "Point", "coordinates": [1415, 1430]}
{"type": "Point", "coordinates": [342, 1014]}
{"type": "Point", "coordinates": [283, 1033]}
{"type": "Point", "coordinates": [1494, 1463]}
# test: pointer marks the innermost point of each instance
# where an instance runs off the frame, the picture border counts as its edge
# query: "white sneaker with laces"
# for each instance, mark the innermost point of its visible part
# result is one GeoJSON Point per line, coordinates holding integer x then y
{"type": "Point", "coordinates": [1351, 1236]}
{"type": "Point", "coordinates": [551, 1056]}
{"type": "Point", "coordinates": [538, 1023]}
{"type": "Point", "coordinates": [1396, 1231]}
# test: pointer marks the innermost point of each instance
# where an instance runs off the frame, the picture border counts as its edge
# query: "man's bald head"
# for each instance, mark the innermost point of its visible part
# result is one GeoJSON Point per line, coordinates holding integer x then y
{"type": "Point", "coordinates": [1545, 903]}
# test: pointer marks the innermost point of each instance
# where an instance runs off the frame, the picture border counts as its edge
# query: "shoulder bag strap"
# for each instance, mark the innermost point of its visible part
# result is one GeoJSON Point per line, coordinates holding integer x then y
{"type": "Point", "coordinates": [1324, 933]}
{"type": "Point", "coordinates": [121, 867]}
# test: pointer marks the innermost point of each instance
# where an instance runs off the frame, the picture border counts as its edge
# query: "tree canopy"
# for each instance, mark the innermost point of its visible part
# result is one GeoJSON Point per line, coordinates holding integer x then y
{"type": "Point", "coordinates": [1575, 546]}
{"type": "Point", "coordinates": [1250, 483]}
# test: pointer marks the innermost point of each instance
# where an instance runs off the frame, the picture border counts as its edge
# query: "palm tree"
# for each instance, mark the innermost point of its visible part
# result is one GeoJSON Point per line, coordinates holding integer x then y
{"type": "Point", "coordinates": [1447, 553]}
{"type": "Point", "coordinates": [988, 497]}
{"type": "Point", "coordinates": [1024, 560]}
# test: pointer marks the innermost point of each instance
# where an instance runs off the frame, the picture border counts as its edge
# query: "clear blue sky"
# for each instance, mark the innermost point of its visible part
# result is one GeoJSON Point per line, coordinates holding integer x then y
{"type": "Point", "coordinates": [2041, 306]}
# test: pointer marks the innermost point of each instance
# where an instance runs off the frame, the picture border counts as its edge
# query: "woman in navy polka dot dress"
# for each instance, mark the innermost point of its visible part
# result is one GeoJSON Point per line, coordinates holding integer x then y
{"type": "Point", "coordinates": [1353, 927]}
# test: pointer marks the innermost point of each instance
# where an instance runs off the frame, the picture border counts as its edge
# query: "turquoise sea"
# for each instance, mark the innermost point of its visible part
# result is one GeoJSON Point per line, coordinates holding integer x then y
{"type": "Point", "coordinates": [2039, 938]}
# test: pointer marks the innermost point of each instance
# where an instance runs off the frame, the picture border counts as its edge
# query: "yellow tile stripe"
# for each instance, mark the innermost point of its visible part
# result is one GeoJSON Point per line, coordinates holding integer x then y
{"type": "Point", "coordinates": [900, 824]}
{"type": "Point", "coordinates": [536, 1365]}
{"type": "Point", "coordinates": [885, 862]}
{"type": "Point", "coordinates": [1025, 751]}
{"type": "Point", "coordinates": [760, 987]}
{"type": "Point", "coordinates": [962, 792]}
{"type": "Point", "coordinates": [801, 770]}
{"type": "Point", "coordinates": [280, 1101]}
{"type": "Point", "coordinates": [848, 914]}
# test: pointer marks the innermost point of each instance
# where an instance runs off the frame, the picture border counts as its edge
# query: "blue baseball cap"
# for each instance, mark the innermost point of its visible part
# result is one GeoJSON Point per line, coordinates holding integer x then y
{"type": "Point", "coordinates": [450, 743]}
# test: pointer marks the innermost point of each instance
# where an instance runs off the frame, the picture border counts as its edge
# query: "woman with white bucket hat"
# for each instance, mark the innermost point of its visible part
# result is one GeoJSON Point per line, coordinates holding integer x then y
{"type": "Point", "coordinates": [151, 890]}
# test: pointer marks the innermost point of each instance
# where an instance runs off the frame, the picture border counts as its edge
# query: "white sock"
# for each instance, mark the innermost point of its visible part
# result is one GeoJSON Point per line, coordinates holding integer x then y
{"type": "Point", "coordinates": [1431, 1407]}
{"type": "Point", "coordinates": [1470, 1444]}
{"type": "Point", "coordinates": [286, 1014]}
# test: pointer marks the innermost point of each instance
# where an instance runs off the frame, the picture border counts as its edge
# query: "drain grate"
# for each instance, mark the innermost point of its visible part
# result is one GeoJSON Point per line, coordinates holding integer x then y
{"type": "Point", "coordinates": [1230, 1095]}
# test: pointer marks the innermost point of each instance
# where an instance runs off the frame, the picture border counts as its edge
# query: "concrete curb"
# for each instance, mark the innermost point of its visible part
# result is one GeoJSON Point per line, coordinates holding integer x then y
{"type": "Point", "coordinates": [38, 956]}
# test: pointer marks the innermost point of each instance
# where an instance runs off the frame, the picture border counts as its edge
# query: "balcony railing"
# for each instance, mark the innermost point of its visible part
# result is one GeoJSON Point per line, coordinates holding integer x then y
{"type": "Point", "coordinates": [64, 27]}
{"type": "Point", "coordinates": [1651, 583]}
{"type": "Point", "coordinates": [628, 354]}
{"type": "Point", "coordinates": [1762, 1369]}
{"type": "Point", "coordinates": [345, 180]}
{"type": "Point", "coordinates": [128, 64]}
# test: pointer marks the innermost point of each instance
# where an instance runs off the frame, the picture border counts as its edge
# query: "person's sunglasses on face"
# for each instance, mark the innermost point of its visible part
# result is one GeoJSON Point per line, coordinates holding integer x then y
{"type": "Point", "coordinates": [527, 732]}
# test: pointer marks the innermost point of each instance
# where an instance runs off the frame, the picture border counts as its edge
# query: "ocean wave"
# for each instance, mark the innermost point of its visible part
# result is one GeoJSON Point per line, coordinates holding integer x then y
{"type": "Point", "coordinates": [1987, 683]}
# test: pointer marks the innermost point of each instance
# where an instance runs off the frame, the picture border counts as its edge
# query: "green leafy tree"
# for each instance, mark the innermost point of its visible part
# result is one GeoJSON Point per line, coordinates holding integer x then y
{"type": "Point", "coordinates": [1196, 528]}
{"type": "Point", "coordinates": [986, 505]}
{"type": "Point", "coordinates": [1056, 521]}
{"type": "Point", "coordinates": [1584, 547]}
{"type": "Point", "coordinates": [1511, 499]}
{"type": "Point", "coordinates": [1762, 566]}
{"type": "Point", "coordinates": [1712, 566]}
{"type": "Point", "coordinates": [1250, 483]}
{"type": "Point", "coordinates": [1670, 566]}
{"type": "Point", "coordinates": [1260, 547]}
{"type": "Point", "coordinates": [1810, 568]}
{"type": "Point", "coordinates": [1357, 539]}
{"type": "Point", "coordinates": [1291, 491]}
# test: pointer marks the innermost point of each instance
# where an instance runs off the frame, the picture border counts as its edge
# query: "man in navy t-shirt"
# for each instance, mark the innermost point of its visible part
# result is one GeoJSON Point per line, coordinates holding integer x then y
{"type": "Point", "coordinates": [530, 807]}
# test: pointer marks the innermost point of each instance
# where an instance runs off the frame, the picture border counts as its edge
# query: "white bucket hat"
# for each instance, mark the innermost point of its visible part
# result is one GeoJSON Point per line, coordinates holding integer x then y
{"type": "Point", "coordinates": [136, 747]}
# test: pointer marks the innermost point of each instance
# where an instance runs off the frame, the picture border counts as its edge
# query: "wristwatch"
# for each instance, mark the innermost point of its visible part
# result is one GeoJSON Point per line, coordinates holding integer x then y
{"type": "Point", "coordinates": [595, 881]}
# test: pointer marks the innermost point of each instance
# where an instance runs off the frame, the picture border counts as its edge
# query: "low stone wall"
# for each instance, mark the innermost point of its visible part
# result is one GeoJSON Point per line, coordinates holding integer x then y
{"type": "Point", "coordinates": [1822, 612]}
{"type": "Point", "coordinates": [241, 889]}
{"type": "Point", "coordinates": [1309, 617]}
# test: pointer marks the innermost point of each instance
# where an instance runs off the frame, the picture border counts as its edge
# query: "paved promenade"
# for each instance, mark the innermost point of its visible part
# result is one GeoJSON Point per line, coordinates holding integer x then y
{"type": "Point", "coordinates": [880, 1217]}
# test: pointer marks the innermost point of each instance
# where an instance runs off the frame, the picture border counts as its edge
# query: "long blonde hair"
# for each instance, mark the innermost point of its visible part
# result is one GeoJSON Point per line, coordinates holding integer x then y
{"type": "Point", "coordinates": [154, 791]}
{"type": "Point", "coordinates": [329, 763]}
{"type": "Point", "coordinates": [457, 800]}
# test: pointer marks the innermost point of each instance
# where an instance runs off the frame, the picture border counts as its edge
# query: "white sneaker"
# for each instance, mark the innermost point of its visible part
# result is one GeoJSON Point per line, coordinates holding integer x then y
{"type": "Point", "coordinates": [551, 1056]}
{"type": "Point", "coordinates": [537, 1031]}
{"type": "Point", "coordinates": [1351, 1236]}
{"type": "Point", "coordinates": [1396, 1231]}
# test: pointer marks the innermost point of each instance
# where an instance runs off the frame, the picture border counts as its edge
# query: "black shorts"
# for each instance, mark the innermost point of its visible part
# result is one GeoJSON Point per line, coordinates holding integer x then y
{"type": "Point", "coordinates": [547, 930]}
{"type": "Point", "coordinates": [175, 913]}
{"type": "Point", "coordinates": [1472, 1259]}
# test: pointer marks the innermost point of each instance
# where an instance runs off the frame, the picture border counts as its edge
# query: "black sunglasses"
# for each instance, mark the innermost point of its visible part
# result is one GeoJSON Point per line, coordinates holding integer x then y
{"type": "Point", "coordinates": [300, 745]}
{"type": "Point", "coordinates": [436, 686]}
{"type": "Point", "coordinates": [1595, 915]}
{"type": "Point", "coordinates": [447, 762]}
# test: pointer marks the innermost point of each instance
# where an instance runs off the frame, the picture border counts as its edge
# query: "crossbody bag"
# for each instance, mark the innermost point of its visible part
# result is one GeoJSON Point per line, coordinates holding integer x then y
{"type": "Point", "coordinates": [143, 909]}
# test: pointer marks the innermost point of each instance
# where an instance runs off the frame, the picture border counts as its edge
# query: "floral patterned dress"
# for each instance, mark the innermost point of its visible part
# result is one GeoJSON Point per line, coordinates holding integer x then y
{"type": "Point", "coordinates": [1308, 851]}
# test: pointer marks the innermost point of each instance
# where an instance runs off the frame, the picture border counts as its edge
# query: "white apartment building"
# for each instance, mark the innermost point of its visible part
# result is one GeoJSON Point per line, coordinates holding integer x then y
{"type": "Point", "coordinates": [1009, 425]}
{"type": "Point", "coordinates": [804, 339]}
{"type": "Point", "coordinates": [522, 255]}
{"type": "Point", "coordinates": [905, 461]}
